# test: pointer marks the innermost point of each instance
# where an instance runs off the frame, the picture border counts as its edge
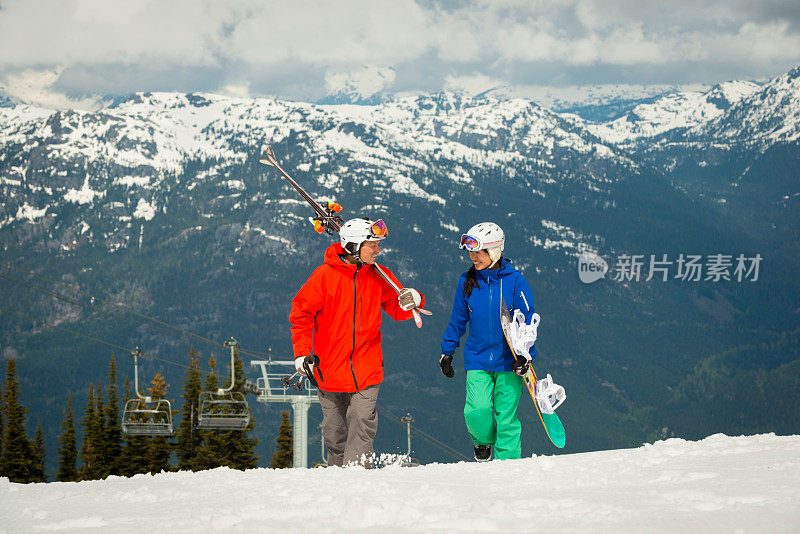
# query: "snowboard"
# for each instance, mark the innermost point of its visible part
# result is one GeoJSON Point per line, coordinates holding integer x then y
{"type": "Point", "coordinates": [550, 421]}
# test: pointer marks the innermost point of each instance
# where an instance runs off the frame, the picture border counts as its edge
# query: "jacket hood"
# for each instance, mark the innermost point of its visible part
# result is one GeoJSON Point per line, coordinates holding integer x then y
{"type": "Point", "coordinates": [333, 258]}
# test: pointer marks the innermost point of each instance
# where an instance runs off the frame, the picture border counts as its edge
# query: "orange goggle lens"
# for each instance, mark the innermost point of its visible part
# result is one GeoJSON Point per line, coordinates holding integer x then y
{"type": "Point", "coordinates": [470, 243]}
{"type": "Point", "coordinates": [378, 229]}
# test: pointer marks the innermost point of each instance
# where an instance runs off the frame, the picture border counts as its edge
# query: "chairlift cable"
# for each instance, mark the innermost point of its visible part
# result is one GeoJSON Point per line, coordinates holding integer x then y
{"type": "Point", "coordinates": [129, 310]}
{"type": "Point", "coordinates": [427, 437]}
{"type": "Point", "coordinates": [83, 305]}
{"type": "Point", "coordinates": [423, 434]}
{"type": "Point", "coordinates": [41, 290]}
{"type": "Point", "coordinates": [98, 340]}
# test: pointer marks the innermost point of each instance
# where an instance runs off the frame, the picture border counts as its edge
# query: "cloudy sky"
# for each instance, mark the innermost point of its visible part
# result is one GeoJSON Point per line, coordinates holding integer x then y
{"type": "Point", "coordinates": [67, 52]}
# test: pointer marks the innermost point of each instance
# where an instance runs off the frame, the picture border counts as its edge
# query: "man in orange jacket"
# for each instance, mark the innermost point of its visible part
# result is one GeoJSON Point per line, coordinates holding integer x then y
{"type": "Point", "coordinates": [336, 320]}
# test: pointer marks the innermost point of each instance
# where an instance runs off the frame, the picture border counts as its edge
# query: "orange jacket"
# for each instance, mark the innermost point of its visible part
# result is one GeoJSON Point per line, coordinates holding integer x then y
{"type": "Point", "coordinates": [341, 306]}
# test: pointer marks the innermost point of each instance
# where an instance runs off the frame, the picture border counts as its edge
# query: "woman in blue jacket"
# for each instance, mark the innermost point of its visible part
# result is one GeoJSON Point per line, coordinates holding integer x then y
{"type": "Point", "coordinates": [494, 382]}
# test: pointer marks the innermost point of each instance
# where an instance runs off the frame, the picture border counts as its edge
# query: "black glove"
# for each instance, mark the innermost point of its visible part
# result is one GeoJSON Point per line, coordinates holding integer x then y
{"type": "Point", "coordinates": [520, 366]}
{"type": "Point", "coordinates": [310, 364]}
{"type": "Point", "coordinates": [446, 363]}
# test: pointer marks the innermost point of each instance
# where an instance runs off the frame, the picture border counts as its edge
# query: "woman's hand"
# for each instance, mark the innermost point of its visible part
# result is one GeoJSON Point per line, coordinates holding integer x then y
{"type": "Point", "coordinates": [520, 366]}
{"type": "Point", "coordinates": [446, 363]}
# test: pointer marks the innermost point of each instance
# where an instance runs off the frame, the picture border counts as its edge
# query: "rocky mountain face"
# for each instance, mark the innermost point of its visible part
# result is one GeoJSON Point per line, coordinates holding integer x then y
{"type": "Point", "coordinates": [158, 203]}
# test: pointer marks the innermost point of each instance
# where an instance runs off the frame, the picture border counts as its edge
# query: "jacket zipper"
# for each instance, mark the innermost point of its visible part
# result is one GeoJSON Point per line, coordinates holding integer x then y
{"type": "Point", "coordinates": [491, 313]}
{"type": "Point", "coordinates": [355, 303]}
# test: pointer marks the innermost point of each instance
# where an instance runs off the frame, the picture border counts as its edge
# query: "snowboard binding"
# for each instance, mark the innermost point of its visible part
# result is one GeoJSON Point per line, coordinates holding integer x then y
{"type": "Point", "coordinates": [549, 395]}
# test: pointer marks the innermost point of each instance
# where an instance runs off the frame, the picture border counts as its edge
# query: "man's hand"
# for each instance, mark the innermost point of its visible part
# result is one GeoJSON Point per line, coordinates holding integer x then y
{"type": "Point", "coordinates": [409, 298]}
{"type": "Point", "coordinates": [446, 363]}
{"type": "Point", "coordinates": [306, 365]}
{"type": "Point", "coordinates": [301, 369]}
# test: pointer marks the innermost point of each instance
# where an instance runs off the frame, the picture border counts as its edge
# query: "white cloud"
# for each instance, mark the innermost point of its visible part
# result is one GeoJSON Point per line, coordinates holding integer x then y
{"type": "Point", "coordinates": [362, 82]}
{"type": "Point", "coordinates": [35, 87]}
{"type": "Point", "coordinates": [475, 83]}
{"type": "Point", "coordinates": [239, 90]}
{"type": "Point", "coordinates": [329, 34]}
{"type": "Point", "coordinates": [232, 44]}
{"type": "Point", "coordinates": [765, 41]}
{"type": "Point", "coordinates": [69, 32]}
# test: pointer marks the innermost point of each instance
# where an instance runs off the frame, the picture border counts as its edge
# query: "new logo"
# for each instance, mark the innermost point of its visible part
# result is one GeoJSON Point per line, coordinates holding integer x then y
{"type": "Point", "coordinates": [591, 267]}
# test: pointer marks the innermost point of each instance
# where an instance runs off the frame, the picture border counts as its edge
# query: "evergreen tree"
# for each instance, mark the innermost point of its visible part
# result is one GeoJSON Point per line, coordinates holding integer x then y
{"type": "Point", "coordinates": [189, 438]}
{"type": "Point", "coordinates": [135, 455]}
{"type": "Point", "coordinates": [67, 448]}
{"type": "Point", "coordinates": [15, 462]}
{"type": "Point", "coordinates": [283, 455]}
{"type": "Point", "coordinates": [160, 447]}
{"type": "Point", "coordinates": [2, 416]}
{"type": "Point", "coordinates": [212, 451]}
{"type": "Point", "coordinates": [99, 437]}
{"type": "Point", "coordinates": [91, 447]}
{"type": "Point", "coordinates": [112, 438]}
{"type": "Point", "coordinates": [39, 456]}
{"type": "Point", "coordinates": [241, 449]}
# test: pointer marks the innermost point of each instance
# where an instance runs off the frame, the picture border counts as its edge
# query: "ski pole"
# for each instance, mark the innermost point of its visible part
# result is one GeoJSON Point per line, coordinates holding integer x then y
{"type": "Point", "coordinates": [287, 382]}
{"type": "Point", "coordinates": [269, 159]}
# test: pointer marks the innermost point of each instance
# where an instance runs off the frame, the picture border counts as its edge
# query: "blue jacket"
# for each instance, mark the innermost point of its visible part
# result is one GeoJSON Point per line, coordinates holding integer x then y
{"type": "Point", "coordinates": [486, 348]}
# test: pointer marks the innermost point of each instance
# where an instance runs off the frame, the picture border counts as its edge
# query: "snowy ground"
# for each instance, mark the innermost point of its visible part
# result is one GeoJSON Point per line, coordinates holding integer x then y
{"type": "Point", "coordinates": [719, 484]}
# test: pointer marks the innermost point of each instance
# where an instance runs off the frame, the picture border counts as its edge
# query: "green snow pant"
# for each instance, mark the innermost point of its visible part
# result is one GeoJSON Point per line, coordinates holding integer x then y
{"type": "Point", "coordinates": [497, 393]}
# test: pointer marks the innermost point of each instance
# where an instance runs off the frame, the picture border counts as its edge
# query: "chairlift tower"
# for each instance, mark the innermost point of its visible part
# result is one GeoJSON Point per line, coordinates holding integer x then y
{"type": "Point", "coordinates": [408, 461]}
{"type": "Point", "coordinates": [407, 420]}
{"type": "Point", "coordinates": [272, 387]}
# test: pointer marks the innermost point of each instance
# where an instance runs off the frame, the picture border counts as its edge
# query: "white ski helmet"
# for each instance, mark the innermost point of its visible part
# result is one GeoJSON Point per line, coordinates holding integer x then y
{"type": "Point", "coordinates": [485, 236]}
{"type": "Point", "coordinates": [355, 231]}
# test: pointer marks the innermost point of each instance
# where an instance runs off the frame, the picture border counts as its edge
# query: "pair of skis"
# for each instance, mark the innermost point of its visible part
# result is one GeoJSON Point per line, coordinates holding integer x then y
{"type": "Point", "coordinates": [328, 220]}
{"type": "Point", "coordinates": [550, 421]}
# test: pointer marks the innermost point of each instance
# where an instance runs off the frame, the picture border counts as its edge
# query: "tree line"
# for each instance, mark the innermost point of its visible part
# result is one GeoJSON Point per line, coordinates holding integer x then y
{"type": "Point", "coordinates": [105, 450]}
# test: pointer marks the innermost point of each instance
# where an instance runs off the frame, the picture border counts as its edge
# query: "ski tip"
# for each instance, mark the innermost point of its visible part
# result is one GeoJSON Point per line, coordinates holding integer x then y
{"type": "Point", "coordinates": [268, 157]}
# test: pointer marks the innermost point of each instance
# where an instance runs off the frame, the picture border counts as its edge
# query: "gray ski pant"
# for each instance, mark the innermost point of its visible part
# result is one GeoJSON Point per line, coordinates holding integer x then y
{"type": "Point", "coordinates": [349, 424]}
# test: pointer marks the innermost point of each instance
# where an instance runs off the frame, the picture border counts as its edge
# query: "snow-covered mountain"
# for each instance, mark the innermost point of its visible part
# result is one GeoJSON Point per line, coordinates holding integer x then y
{"type": "Point", "coordinates": [738, 112]}
{"type": "Point", "coordinates": [564, 99]}
{"type": "Point", "coordinates": [173, 126]}
{"type": "Point", "coordinates": [766, 116]}
{"type": "Point", "coordinates": [720, 484]}
{"type": "Point", "coordinates": [676, 111]}
{"type": "Point", "coordinates": [153, 136]}
{"type": "Point", "coordinates": [7, 100]}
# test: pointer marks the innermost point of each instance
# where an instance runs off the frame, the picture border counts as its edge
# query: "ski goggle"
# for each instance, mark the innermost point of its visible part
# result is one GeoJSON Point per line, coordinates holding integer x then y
{"type": "Point", "coordinates": [378, 229]}
{"type": "Point", "coordinates": [473, 243]}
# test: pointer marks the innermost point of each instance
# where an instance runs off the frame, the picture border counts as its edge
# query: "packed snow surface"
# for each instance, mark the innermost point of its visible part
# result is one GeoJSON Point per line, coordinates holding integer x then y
{"type": "Point", "coordinates": [719, 484]}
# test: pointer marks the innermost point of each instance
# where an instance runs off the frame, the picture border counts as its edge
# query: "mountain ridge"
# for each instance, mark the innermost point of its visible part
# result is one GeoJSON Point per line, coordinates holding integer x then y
{"type": "Point", "coordinates": [159, 203]}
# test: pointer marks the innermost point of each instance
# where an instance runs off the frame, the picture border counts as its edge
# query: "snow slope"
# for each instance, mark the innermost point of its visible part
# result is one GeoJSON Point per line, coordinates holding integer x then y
{"type": "Point", "coordinates": [719, 484]}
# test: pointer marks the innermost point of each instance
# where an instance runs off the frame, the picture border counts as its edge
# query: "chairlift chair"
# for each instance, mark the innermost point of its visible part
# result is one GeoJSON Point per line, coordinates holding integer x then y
{"type": "Point", "coordinates": [224, 409]}
{"type": "Point", "coordinates": [146, 415]}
